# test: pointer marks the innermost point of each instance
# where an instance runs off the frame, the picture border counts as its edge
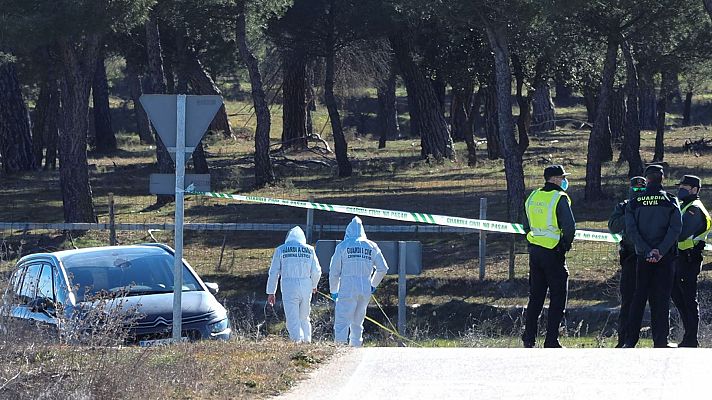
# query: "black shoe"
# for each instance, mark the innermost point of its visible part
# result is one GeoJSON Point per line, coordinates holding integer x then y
{"type": "Point", "coordinates": [687, 344]}
{"type": "Point", "coordinates": [620, 345]}
{"type": "Point", "coordinates": [553, 345]}
{"type": "Point", "coordinates": [528, 345]}
{"type": "Point", "coordinates": [628, 346]}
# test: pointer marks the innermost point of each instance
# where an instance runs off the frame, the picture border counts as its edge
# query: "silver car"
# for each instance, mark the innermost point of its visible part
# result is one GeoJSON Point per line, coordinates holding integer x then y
{"type": "Point", "coordinates": [141, 276]}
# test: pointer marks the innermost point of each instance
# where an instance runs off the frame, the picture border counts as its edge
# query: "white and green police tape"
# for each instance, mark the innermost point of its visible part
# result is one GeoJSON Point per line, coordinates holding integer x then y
{"type": "Point", "coordinates": [406, 216]}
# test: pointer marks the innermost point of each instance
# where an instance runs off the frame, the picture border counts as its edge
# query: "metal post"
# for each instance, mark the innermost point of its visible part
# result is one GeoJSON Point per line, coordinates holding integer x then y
{"type": "Point", "coordinates": [483, 238]}
{"type": "Point", "coordinates": [401, 287]}
{"type": "Point", "coordinates": [180, 186]}
{"type": "Point", "coordinates": [112, 221]}
{"type": "Point", "coordinates": [310, 221]}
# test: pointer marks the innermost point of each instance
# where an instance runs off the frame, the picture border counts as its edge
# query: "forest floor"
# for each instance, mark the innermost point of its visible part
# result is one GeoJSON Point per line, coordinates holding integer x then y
{"type": "Point", "coordinates": [448, 304]}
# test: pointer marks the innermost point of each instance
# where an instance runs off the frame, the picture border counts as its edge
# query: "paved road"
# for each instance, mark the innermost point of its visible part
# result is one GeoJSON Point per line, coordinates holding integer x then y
{"type": "Point", "coordinates": [467, 373]}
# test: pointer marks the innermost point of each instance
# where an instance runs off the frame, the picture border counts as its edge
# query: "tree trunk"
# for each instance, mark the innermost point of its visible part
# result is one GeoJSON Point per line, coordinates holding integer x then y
{"type": "Point", "coordinates": [513, 168]}
{"type": "Point", "coordinates": [590, 100]}
{"type": "Point", "coordinates": [414, 122]}
{"type": "Point", "coordinates": [387, 114]}
{"type": "Point", "coordinates": [491, 122]}
{"type": "Point", "coordinates": [105, 141]}
{"type": "Point", "coordinates": [647, 100]}
{"type": "Point", "coordinates": [544, 119]}
{"type": "Point", "coordinates": [158, 86]}
{"type": "Point", "coordinates": [440, 88]}
{"type": "Point", "coordinates": [616, 115]}
{"type": "Point", "coordinates": [459, 110]}
{"type": "Point", "coordinates": [15, 137]}
{"type": "Point", "coordinates": [264, 174]}
{"type": "Point", "coordinates": [461, 107]}
{"type": "Point", "coordinates": [525, 115]}
{"type": "Point", "coordinates": [310, 96]}
{"type": "Point", "coordinates": [687, 108]}
{"type": "Point", "coordinates": [169, 74]}
{"type": "Point", "coordinates": [200, 162]}
{"type": "Point", "coordinates": [143, 126]}
{"type": "Point", "coordinates": [476, 118]}
{"type": "Point", "coordinates": [435, 137]}
{"type": "Point", "coordinates": [294, 114]}
{"type": "Point", "coordinates": [52, 122]}
{"type": "Point", "coordinates": [666, 92]}
{"type": "Point", "coordinates": [599, 142]}
{"type": "Point", "coordinates": [203, 84]}
{"type": "Point", "coordinates": [340, 146]}
{"type": "Point", "coordinates": [78, 73]}
{"type": "Point", "coordinates": [39, 122]}
{"type": "Point", "coordinates": [564, 94]}
{"type": "Point", "coordinates": [631, 142]}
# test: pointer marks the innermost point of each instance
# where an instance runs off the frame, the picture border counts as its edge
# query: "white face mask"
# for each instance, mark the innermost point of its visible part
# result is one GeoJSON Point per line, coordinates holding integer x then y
{"type": "Point", "coordinates": [564, 184]}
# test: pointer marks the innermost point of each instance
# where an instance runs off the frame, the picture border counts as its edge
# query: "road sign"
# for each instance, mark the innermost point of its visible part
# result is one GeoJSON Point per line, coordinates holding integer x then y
{"type": "Point", "coordinates": [166, 183]}
{"type": "Point", "coordinates": [199, 112]}
{"type": "Point", "coordinates": [180, 121]}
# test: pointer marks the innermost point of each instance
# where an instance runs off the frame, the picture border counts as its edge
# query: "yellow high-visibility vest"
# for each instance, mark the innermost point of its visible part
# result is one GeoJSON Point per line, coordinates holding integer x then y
{"type": "Point", "coordinates": [692, 241]}
{"type": "Point", "coordinates": [541, 212]}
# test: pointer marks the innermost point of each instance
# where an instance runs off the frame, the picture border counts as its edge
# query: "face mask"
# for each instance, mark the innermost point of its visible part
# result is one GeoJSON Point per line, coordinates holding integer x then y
{"type": "Point", "coordinates": [564, 184]}
{"type": "Point", "coordinates": [682, 193]}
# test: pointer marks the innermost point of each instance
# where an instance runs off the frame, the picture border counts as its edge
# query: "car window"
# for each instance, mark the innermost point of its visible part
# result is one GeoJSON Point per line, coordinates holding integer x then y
{"type": "Point", "coordinates": [28, 288]}
{"type": "Point", "coordinates": [16, 280]}
{"type": "Point", "coordinates": [45, 287]}
{"type": "Point", "coordinates": [124, 271]}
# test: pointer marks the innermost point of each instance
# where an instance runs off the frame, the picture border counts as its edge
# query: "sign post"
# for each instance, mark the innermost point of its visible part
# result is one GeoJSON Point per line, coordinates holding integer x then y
{"type": "Point", "coordinates": [180, 121]}
{"type": "Point", "coordinates": [180, 195]}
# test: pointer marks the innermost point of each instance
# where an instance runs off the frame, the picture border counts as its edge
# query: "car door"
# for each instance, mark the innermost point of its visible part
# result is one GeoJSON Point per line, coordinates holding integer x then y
{"type": "Point", "coordinates": [35, 298]}
{"type": "Point", "coordinates": [42, 308]}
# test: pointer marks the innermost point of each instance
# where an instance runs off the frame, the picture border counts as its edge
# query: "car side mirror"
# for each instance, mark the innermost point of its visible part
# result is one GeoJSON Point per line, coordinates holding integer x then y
{"type": "Point", "coordinates": [212, 287]}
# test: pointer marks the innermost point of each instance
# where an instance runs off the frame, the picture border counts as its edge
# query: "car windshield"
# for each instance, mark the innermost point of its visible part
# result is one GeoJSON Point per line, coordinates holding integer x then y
{"type": "Point", "coordinates": [127, 272]}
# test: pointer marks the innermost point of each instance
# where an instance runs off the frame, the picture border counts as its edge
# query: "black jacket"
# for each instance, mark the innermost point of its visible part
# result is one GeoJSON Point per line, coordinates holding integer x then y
{"type": "Point", "coordinates": [693, 220]}
{"type": "Point", "coordinates": [653, 221]}
{"type": "Point", "coordinates": [616, 224]}
{"type": "Point", "coordinates": [564, 216]}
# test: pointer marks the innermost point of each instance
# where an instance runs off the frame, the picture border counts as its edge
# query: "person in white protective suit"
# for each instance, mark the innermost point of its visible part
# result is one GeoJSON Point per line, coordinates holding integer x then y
{"type": "Point", "coordinates": [352, 279]}
{"type": "Point", "coordinates": [295, 261]}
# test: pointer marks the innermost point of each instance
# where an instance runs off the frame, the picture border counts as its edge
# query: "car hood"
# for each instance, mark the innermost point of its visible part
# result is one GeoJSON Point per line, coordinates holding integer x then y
{"type": "Point", "coordinates": [157, 309]}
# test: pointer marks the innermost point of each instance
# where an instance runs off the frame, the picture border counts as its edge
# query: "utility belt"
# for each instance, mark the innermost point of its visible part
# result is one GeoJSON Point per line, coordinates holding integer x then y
{"type": "Point", "coordinates": [694, 254]}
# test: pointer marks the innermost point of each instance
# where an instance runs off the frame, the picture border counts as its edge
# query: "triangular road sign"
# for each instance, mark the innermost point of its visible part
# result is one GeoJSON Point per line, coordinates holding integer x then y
{"type": "Point", "coordinates": [199, 112]}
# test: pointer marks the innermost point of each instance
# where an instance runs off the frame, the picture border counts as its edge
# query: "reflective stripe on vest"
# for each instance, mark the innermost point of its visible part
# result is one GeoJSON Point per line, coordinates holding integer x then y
{"type": "Point", "coordinates": [692, 241]}
{"type": "Point", "coordinates": [541, 213]}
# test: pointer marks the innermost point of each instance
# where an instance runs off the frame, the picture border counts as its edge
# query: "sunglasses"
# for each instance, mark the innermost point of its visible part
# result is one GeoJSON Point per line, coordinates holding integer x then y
{"type": "Point", "coordinates": [638, 189]}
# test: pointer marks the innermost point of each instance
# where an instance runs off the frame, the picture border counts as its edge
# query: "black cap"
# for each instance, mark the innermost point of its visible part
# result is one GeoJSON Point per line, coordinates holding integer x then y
{"type": "Point", "coordinates": [691, 180]}
{"type": "Point", "coordinates": [637, 181]}
{"type": "Point", "coordinates": [554, 170]}
{"type": "Point", "coordinates": [654, 169]}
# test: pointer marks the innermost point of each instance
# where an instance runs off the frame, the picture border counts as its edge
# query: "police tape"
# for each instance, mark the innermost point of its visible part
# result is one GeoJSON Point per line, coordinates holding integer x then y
{"type": "Point", "coordinates": [408, 216]}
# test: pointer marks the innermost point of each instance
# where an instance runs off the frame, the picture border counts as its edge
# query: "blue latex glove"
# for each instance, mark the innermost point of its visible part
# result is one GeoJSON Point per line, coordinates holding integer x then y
{"type": "Point", "coordinates": [334, 296]}
{"type": "Point", "coordinates": [373, 290]}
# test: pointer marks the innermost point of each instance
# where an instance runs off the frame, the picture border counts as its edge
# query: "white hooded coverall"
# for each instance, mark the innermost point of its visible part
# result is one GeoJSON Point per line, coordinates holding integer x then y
{"type": "Point", "coordinates": [295, 261]}
{"type": "Point", "coordinates": [351, 275]}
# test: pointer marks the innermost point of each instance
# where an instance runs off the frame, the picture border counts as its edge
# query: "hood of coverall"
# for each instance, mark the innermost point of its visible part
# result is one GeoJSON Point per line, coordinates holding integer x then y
{"type": "Point", "coordinates": [355, 229]}
{"type": "Point", "coordinates": [296, 234]}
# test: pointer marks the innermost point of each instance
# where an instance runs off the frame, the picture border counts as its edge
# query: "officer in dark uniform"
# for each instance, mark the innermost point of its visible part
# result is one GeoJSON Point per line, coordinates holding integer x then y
{"type": "Point", "coordinates": [653, 224]}
{"type": "Point", "coordinates": [696, 224]}
{"type": "Point", "coordinates": [550, 229]}
{"type": "Point", "coordinates": [616, 224]}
